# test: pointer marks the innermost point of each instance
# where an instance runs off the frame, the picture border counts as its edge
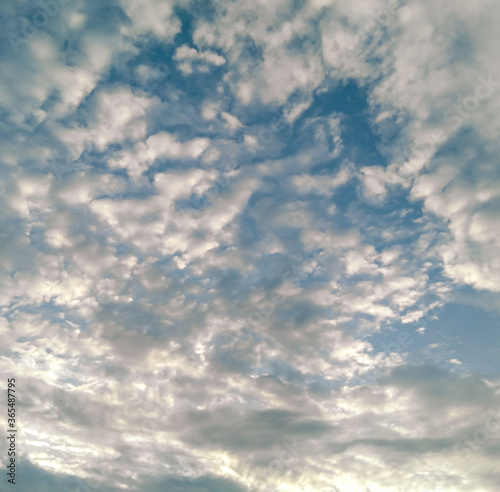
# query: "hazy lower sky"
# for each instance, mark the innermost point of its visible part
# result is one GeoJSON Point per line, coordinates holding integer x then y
{"type": "Point", "coordinates": [251, 246]}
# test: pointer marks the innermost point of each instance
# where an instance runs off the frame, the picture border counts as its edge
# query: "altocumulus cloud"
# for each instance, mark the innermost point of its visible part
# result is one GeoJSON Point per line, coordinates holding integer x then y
{"type": "Point", "coordinates": [238, 255]}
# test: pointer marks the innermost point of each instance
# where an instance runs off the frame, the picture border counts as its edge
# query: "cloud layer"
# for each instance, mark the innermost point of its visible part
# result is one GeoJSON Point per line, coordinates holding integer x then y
{"type": "Point", "coordinates": [238, 239]}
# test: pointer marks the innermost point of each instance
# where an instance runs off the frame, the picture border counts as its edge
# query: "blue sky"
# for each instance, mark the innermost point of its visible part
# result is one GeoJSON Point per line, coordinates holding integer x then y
{"type": "Point", "coordinates": [251, 246]}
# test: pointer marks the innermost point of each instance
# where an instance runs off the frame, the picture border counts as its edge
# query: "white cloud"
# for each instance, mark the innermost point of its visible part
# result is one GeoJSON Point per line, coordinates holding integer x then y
{"type": "Point", "coordinates": [187, 58]}
{"type": "Point", "coordinates": [232, 122]}
{"type": "Point", "coordinates": [160, 145]}
{"type": "Point", "coordinates": [153, 17]}
{"type": "Point", "coordinates": [120, 115]}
